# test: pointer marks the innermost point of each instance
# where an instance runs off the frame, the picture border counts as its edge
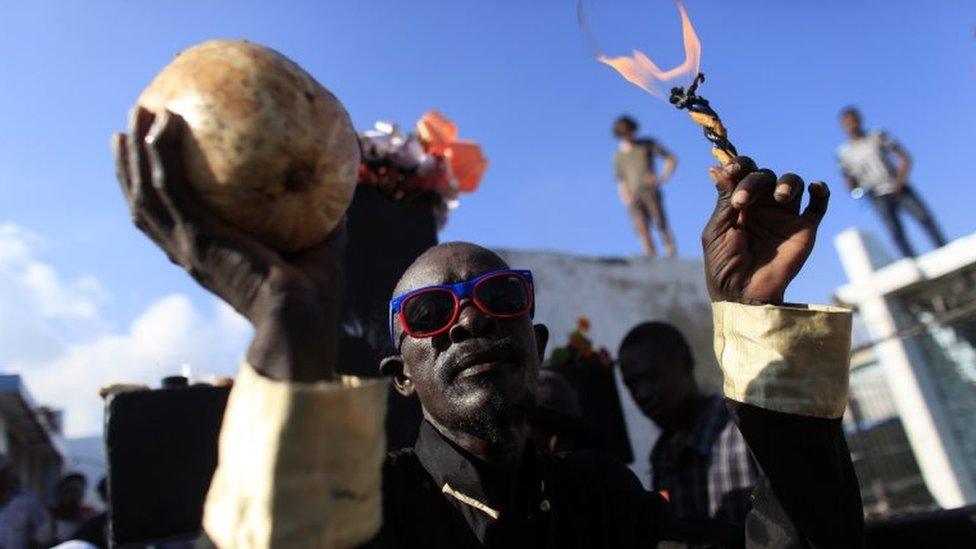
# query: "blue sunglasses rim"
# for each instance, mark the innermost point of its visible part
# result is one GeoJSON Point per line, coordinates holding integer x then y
{"type": "Point", "coordinates": [461, 289]}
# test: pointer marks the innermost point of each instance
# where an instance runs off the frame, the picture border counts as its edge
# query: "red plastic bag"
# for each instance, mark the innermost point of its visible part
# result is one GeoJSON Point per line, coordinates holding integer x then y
{"type": "Point", "coordinates": [468, 164]}
{"type": "Point", "coordinates": [436, 130]}
{"type": "Point", "coordinates": [439, 136]}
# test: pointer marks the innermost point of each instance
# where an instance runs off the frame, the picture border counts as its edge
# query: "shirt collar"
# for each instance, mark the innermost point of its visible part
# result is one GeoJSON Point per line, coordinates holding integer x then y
{"type": "Point", "coordinates": [465, 478]}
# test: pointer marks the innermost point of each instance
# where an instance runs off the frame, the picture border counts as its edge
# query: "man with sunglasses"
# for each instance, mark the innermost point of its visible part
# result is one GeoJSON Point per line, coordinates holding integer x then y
{"type": "Point", "coordinates": [301, 459]}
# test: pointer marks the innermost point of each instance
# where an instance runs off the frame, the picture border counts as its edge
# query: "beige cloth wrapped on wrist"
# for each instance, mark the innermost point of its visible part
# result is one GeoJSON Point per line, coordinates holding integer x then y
{"type": "Point", "coordinates": [792, 359]}
{"type": "Point", "coordinates": [299, 464]}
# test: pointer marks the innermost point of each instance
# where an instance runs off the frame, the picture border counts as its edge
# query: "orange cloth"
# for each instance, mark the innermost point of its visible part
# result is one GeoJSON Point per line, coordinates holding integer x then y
{"type": "Point", "coordinates": [435, 129]}
{"type": "Point", "coordinates": [468, 162]}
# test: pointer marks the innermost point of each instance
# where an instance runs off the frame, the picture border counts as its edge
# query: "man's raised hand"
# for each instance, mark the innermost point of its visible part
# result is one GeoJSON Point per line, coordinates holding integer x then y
{"type": "Point", "coordinates": [292, 302]}
{"type": "Point", "coordinates": [757, 239]}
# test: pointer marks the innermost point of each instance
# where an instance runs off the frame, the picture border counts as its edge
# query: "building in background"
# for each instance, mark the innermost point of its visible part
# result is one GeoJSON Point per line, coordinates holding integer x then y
{"type": "Point", "coordinates": [891, 481]}
{"type": "Point", "coordinates": [916, 375]}
{"type": "Point", "coordinates": [31, 436]}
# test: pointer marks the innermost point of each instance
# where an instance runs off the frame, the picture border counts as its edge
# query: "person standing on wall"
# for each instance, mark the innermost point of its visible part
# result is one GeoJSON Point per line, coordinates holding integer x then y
{"type": "Point", "coordinates": [639, 183]}
{"type": "Point", "coordinates": [873, 163]}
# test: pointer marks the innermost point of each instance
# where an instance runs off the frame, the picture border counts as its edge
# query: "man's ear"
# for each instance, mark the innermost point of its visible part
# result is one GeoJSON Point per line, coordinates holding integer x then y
{"type": "Point", "coordinates": [393, 367]}
{"type": "Point", "coordinates": [541, 340]}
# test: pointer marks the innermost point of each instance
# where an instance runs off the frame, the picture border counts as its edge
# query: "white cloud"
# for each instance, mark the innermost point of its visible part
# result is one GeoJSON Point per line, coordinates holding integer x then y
{"type": "Point", "coordinates": [169, 333]}
{"type": "Point", "coordinates": [52, 334]}
{"type": "Point", "coordinates": [57, 299]}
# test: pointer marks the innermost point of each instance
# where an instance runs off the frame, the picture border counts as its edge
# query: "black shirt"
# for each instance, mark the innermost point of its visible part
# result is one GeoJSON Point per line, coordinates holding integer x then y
{"type": "Point", "coordinates": [807, 495]}
{"type": "Point", "coordinates": [438, 495]}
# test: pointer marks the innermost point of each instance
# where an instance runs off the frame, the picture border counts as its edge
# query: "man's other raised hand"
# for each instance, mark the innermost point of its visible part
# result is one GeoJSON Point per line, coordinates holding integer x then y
{"type": "Point", "coordinates": [757, 239]}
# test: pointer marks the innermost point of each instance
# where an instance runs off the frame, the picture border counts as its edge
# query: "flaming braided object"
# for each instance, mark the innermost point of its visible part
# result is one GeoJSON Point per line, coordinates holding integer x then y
{"type": "Point", "coordinates": [706, 117]}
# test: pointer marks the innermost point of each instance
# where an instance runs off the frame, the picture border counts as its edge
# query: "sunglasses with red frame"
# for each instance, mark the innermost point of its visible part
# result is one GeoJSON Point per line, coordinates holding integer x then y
{"type": "Point", "coordinates": [432, 310]}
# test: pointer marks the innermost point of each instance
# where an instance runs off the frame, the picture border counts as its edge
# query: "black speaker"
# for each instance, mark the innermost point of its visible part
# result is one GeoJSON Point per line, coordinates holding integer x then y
{"type": "Point", "coordinates": [162, 452]}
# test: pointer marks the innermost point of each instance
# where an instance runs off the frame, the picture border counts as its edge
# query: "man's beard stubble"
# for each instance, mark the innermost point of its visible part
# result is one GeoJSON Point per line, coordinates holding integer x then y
{"type": "Point", "coordinates": [490, 421]}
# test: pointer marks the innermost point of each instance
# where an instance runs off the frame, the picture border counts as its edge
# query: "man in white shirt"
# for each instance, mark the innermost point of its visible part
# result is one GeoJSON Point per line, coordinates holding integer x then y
{"type": "Point", "coordinates": [866, 161]}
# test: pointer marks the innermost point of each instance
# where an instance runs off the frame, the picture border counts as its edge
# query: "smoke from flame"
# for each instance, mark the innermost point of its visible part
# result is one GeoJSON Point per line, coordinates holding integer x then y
{"type": "Point", "coordinates": [639, 70]}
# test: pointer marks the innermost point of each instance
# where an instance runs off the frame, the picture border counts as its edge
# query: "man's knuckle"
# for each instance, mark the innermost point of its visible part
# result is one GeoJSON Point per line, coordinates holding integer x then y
{"type": "Point", "coordinates": [197, 273]}
{"type": "Point", "coordinates": [139, 220]}
{"type": "Point", "coordinates": [183, 241]}
{"type": "Point", "coordinates": [282, 282]}
{"type": "Point", "coordinates": [191, 238]}
{"type": "Point", "coordinates": [158, 177]}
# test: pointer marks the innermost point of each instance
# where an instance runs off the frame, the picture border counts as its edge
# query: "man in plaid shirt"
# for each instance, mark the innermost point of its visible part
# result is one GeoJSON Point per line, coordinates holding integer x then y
{"type": "Point", "coordinates": [700, 462]}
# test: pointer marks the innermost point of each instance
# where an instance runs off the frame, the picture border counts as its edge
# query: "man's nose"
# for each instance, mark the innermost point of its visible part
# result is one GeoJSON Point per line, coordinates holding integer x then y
{"type": "Point", "coordinates": [472, 323]}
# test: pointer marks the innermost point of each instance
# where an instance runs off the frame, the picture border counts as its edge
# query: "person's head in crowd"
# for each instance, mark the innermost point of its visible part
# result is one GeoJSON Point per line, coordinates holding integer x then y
{"type": "Point", "coordinates": [71, 491]}
{"type": "Point", "coordinates": [850, 120]}
{"type": "Point", "coordinates": [8, 475]}
{"type": "Point", "coordinates": [474, 371]}
{"type": "Point", "coordinates": [658, 370]}
{"type": "Point", "coordinates": [625, 128]}
{"type": "Point", "coordinates": [557, 421]}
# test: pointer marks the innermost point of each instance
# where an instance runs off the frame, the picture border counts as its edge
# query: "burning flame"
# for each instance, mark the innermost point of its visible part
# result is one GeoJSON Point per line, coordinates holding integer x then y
{"type": "Point", "coordinates": [639, 70]}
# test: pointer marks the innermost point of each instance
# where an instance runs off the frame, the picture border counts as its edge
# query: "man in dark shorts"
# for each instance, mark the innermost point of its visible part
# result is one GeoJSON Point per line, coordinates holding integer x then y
{"type": "Point", "coordinates": [640, 185]}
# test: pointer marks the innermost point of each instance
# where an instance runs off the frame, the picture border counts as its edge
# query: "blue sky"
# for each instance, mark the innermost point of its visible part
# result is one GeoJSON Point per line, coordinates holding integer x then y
{"type": "Point", "coordinates": [518, 77]}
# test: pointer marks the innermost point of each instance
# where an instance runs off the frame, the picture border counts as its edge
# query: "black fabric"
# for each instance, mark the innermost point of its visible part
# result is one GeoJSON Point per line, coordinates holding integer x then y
{"type": "Point", "coordinates": [942, 528]}
{"type": "Point", "coordinates": [583, 499]}
{"type": "Point", "coordinates": [592, 501]}
{"type": "Point", "coordinates": [810, 499]}
{"type": "Point", "coordinates": [518, 494]}
{"type": "Point", "coordinates": [162, 452]}
{"type": "Point", "coordinates": [810, 474]}
{"type": "Point", "coordinates": [599, 404]}
{"type": "Point", "coordinates": [385, 237]}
